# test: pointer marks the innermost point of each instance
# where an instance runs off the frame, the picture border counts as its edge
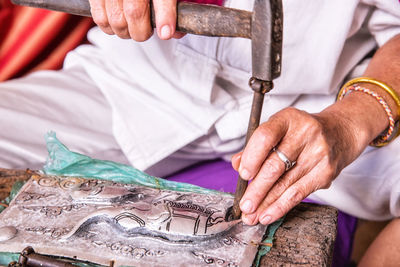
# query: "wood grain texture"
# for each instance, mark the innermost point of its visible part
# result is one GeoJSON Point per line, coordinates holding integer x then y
{"type": "Point", "coordinates": [306, 237]}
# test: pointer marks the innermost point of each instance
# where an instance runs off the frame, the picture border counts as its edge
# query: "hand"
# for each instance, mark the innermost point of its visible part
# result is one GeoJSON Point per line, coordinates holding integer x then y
{"type": "Point", "coordinates": [322, 144]}
{"type": "Point", "coordinates": [131, 18]}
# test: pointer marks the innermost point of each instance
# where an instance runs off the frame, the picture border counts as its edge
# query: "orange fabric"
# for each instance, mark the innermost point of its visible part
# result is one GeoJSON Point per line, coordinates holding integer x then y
{"type": "Point", "coordinates": [36, 39]}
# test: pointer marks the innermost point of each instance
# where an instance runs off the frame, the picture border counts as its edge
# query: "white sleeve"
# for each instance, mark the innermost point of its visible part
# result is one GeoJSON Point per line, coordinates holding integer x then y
{"type": "Point", "coordinates": [384, 22]}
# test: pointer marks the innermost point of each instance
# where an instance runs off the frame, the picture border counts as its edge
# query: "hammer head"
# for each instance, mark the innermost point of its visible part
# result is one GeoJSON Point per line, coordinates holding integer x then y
{"type": "Point", "coordinates": [266, 36]}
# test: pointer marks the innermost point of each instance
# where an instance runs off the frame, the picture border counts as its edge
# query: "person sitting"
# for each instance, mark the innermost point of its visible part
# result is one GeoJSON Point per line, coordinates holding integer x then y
{"type": "Point", "coordinates": [164, 104]}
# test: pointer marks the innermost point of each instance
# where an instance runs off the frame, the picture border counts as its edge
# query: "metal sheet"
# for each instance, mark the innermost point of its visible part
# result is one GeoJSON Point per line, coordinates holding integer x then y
{"type": "Point", "coordinates": [103, 221]}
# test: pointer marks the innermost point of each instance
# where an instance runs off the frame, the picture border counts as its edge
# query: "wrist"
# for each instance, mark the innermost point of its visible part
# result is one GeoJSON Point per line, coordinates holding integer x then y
{"type": "Point", "coordinates": [361, 116]}
{"type": "Point", "coordinates": [391, 96]}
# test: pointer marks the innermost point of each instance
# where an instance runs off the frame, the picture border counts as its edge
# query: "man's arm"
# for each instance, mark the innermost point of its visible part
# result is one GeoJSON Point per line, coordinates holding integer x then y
{"type": "Point", "coordinates": [322, 144]}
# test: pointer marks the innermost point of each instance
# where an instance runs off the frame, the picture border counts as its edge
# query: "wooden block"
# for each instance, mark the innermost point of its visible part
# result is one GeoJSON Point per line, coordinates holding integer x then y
{"type": "Point", "coordinates": [306, 237]}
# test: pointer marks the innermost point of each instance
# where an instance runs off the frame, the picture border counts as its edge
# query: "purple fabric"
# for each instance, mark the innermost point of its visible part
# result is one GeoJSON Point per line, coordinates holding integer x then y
{"type": "Point", "coordinates": [216, 174]}
{"type": "Point", "coordinates": [220, 175]}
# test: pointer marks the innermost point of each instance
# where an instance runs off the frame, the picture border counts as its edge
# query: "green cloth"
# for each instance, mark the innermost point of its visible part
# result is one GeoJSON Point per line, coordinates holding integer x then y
{"type": "Point", "coordinates": [63, 162]}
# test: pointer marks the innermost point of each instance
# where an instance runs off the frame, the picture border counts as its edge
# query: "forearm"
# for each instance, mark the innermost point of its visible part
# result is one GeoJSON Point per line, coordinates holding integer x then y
{"type": "Point", "coordinates": [364, 114]}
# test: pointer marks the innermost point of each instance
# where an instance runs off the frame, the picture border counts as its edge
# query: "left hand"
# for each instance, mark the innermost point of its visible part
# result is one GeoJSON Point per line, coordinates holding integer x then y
{"type": "Point", "coordinates": [322, 144]}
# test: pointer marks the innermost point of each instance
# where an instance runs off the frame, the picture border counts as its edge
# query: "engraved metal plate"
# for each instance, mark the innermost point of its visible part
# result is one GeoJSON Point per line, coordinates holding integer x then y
{"type": "Point", "coordinates": [103, 221]}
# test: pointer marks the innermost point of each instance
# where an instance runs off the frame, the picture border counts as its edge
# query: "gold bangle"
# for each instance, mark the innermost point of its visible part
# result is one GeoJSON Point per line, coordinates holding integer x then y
{"type": "Point", "coordinates": [382, 85]}
{"type": "Point", "coordinates": [387, 89]}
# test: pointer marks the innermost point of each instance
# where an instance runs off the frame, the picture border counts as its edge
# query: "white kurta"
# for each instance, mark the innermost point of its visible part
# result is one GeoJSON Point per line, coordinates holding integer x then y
{"type": "Point", "coordinates": [171, 91]}
{"type": "Point", "coordinates": [190, 96]}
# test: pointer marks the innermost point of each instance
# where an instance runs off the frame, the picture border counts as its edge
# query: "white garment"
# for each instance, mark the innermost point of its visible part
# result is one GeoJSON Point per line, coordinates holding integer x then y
{"type": "Point", "coordinates": [190, 97]}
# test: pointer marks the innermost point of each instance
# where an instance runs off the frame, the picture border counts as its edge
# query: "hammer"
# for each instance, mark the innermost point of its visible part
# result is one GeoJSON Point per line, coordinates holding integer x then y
{"type": "Point", "coordinates": [263, 26]}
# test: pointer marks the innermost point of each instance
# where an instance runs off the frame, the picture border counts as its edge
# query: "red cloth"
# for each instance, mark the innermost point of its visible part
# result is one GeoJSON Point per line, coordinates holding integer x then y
{"type": "Point", "coordinates": [35, 39]}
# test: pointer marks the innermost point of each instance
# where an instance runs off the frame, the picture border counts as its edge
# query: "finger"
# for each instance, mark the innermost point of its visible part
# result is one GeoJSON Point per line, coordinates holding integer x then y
{"type": "Point", "coordinates": [270, 171]}
{"type": "Point", "coordinates": [165, 18]}
{"type": "Point", "coordinates": [294, 195]}
{"type": "Point", "coordinates": [116, 18]}
{"type": "Point", "coordinates": [281, 185]}
{"type": "Point", "coordinates": [250, 219]}
{"type": "Point", "coordinates": [99, 15]}
{"type": "Point", "coordinates": [305, 163]}
{"type": "Point", "coordinates": [259, 146]}
{"type": "Point", "coordinates": [236, 160]}
{"type": "Point", "coordinates": [137, 14]}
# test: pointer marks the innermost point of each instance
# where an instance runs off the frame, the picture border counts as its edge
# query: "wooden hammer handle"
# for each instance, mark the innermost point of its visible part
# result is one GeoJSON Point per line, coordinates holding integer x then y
{"type": "Point", "coordinates": [192, 18]}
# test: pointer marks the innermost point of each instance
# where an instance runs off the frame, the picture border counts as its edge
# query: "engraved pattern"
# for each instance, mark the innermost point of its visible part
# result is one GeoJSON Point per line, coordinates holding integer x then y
{"type": "Point", "coordinates": [129, 250]}
{"type": "Point", "coordinates": [53, 211]}
{"type": "Point", "coordinates": [101, 220]}
{"type": "Point", "coordinates": [28, 196]}
{"type": "Point", "coordinates": [231, 241]}
{"type": "Point", "coordinates": [53, 232]}
{"type": "Point", "coordinates": [209, 260]}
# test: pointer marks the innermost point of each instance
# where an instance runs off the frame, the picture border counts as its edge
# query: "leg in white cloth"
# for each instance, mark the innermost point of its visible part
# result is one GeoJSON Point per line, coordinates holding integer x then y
{"type": "Point", "coordinates": [64, 101]}
{"type": "Point", "coordinates": [370, 187]}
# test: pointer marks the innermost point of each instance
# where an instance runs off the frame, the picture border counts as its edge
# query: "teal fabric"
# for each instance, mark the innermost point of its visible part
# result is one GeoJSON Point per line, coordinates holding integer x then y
{"type": "Point", "coordinates": [268, 238]}
{"type": "Point", "coordinates": [63, 162]}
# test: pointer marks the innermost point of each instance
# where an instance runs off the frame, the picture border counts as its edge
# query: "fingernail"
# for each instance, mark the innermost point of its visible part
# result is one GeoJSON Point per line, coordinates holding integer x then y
{"type": "Point", "coordinates": [245, 174]}
{"type": "Point", "coordinates": [246, 206]}
{"type": "Point", "coordinates": [165, 32]}
{"type": "Point", "coordinates": [265, 219]}
{"type": "Point", "coordinates": [248, 218]}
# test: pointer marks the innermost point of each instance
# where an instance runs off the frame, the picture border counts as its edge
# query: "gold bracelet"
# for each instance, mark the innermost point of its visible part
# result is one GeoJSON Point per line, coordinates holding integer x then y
{"type": "Point", "coordinates": [385, 87]}
{"type": "Point", "coordinates": [382, 85]}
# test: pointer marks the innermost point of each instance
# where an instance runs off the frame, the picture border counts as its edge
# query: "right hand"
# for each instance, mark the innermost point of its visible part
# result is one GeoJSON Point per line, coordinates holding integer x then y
{"type": "Point", "coordinates": [131, 18]}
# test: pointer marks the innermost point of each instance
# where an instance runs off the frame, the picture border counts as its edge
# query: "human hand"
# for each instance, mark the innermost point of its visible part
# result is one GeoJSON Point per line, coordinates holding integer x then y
{"type": "Point", "coordinates": [131, 18]}
{"type": "Point", "coordinates": [322, 144]}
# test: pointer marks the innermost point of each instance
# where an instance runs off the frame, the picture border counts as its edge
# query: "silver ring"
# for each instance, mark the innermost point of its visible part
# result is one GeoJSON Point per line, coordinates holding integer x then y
{"type": "Point", "coordinates": [288, 164]}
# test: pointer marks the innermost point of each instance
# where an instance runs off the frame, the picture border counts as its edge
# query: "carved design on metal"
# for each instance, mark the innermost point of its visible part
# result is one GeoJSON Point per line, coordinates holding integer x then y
{"type": "Point", "coordinates": [101, 221]}
{"type": "Point", "coordinates": [53, 232]}
{"type": "Point", "coordinates": [28, 196]}
{"type": "Point", "coordinates": [53, 211]}
{"type": "Point", "coordinates": [210, 260]}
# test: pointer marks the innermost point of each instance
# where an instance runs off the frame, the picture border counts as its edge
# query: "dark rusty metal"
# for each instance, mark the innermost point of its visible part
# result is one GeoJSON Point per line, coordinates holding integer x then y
{"type": "Point", "coordinates": [260, 88]}
{"type": "Point", "coordinates": [267, 25]}
{"type": "Point", "coordinates": [267, 33]}
{"type": "Point", "coordinates": [28, 258]}
{"type": "Point", "coordinates": [214, 21]}
{"type": "Point", "coordinates": [192, 18]}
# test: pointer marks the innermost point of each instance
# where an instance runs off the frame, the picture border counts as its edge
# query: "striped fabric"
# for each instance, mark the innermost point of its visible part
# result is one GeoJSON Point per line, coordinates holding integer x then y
{"type": "Point", "coordinates": [36, 39]}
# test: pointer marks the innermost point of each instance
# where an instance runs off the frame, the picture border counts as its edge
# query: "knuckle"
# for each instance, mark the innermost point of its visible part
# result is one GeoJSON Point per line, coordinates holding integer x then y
{"type": "Point", "coordinates": [282, 208]}
{"type": "Point", "coordinates": [315, 126]}
{"type": "Point", "coordinates": [263, 135]}
{"type": "Point", "coordinates": [118, 22]}
{"type": "Point", "coordinates": [273, 169]}
{"type": "Point", "coordinates": [278, 189]}
{"type": "Point", "coordinates": [330, 172]}
{"type": "Point", "coordinates": [100, 19]}
{"type": "Point", "coordinates": [298, 195]}
{"type": "Point", "coordinates": [291, 110]}
{"type": "Point", "coordinates": [135, 11]}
